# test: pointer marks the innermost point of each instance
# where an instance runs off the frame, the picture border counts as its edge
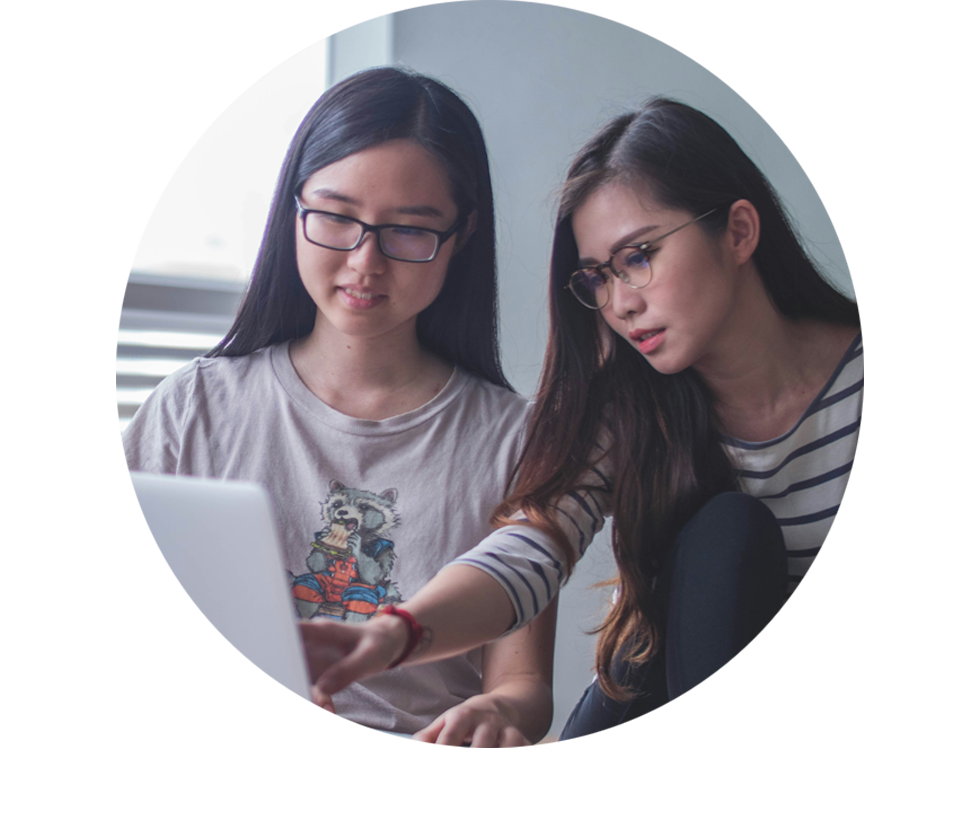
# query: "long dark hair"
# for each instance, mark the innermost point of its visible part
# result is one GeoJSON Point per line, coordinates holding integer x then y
{"type": "Point", "coordinates": [364, 110]}
{"type": "Point", "coordinates": [663, 436]}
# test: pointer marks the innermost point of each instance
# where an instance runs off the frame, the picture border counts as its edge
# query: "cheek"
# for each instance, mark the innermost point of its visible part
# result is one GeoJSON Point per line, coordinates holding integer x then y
{"type": "Point", "coordinates": [302, 250]}
{"type": "Point", "coordinates": [312, 261]}
{"type": "Point", "coordinates": [608, 321]}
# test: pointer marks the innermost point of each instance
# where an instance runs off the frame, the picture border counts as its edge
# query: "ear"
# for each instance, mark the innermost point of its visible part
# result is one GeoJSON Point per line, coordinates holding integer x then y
{"type": "Point", "coordinates": [743, 230]}
{"type": "Point", "coordinates": [465, 232]}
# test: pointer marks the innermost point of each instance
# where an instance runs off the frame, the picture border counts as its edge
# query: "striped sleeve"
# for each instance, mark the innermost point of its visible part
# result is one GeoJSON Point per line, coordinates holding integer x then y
{"type": "Point", "coordinates": [527, 563]}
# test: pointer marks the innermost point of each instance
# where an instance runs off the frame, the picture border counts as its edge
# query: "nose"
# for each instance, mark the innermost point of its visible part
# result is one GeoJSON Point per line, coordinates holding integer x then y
{"type": "Point", "coordinates": [367, 257]}
{"type": "Point", "coordinates": [623, 300]}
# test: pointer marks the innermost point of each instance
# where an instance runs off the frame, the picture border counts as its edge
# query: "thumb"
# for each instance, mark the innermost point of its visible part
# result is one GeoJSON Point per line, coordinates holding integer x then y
{"type": "Point", "coordinates": [322, 699]}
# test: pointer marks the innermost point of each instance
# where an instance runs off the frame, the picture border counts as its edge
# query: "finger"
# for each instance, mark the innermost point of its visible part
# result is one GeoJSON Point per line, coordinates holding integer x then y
{"type": "Point", "coordinates": [457, 730]}
{"type": "Point", "coordinates": [431, 732]}
{"type": "Point", "coordinates": [365, 658]}
{"type": "Point", "coordinates": [486, 735]}
{"type": "Point", "coordinates": [513, 738]}
{"type": "Point", "coordinates": [324, 643]}
{"type": "Point", "coordinates": [322, 699]}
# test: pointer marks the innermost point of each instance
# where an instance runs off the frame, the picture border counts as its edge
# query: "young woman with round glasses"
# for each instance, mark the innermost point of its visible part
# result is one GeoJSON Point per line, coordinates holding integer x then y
{"type": "Point", "coordinates": [702, 386]}
{"type": "Point", "coordinates": [361, 385]}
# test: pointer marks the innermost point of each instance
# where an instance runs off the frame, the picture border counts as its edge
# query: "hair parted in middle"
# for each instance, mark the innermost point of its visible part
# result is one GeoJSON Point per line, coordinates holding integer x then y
{"type": "Point", "coordinates": [365, 110]}
{"type": "Point", "coordinates": [662, 432]}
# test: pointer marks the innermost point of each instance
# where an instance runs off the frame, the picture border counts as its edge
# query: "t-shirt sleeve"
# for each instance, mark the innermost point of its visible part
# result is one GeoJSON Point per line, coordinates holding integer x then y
{"type": "Point", "coordinates": [527, 563]}
{"type": "Point", "coordinates": [152, 440]}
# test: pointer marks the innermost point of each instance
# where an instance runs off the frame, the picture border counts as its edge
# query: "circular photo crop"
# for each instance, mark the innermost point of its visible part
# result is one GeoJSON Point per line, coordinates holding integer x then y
{"type": "Point", "coordinates": [466, 305]}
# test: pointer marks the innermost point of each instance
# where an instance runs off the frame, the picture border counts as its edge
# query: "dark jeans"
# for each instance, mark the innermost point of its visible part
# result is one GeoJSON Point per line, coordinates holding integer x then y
{"type": "Point", "coordinates": [724, 579]}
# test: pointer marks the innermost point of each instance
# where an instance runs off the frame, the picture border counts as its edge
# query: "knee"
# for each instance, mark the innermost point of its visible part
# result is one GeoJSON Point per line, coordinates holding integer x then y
{"type": "Point", "coordinates": [729, 560]}
{"type": "Point", "coordinates": [733, 527]}
{"type": "Point", "coordinates": [739, 511]}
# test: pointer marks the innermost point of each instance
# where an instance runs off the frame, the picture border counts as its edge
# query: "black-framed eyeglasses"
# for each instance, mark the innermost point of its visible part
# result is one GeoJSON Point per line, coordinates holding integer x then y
{"type": "Point", "coordinates": [406, 243]}
{"type": "Point", "coordinates": [630, 264]}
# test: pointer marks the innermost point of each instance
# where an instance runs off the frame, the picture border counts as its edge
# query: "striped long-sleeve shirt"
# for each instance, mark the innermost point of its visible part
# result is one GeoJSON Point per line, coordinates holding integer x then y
{"type": "Point", "coordinates": [800, 476]}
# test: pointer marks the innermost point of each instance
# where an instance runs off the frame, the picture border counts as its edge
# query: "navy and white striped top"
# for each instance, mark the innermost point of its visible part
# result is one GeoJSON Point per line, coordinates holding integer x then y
{"type": "Point", "coordinates": [800, 476]}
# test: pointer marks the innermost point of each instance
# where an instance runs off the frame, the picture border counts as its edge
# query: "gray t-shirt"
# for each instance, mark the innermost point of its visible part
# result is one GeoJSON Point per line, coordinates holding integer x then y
{"type": "Point", "coordinates": [368, 511]}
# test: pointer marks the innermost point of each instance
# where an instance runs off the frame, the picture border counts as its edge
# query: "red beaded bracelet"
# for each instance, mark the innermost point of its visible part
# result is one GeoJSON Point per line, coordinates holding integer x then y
{"type": "Point", "coordinates": [414, 632]}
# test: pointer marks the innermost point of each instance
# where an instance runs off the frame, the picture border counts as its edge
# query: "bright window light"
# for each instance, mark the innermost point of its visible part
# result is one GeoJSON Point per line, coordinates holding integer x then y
{"type": "Point", "coordinates": [132, 396]}
{"type": "Point", "coordinates": [209, 220]}
{"type": "Point", "coordinates": [148, 367]}
{"type": "Point", "coordinates": [168, 339]}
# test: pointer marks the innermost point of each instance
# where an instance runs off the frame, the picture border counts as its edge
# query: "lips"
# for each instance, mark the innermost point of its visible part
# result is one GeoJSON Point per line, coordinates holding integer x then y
{"type": "Point", "coordinates": [647, 339]}
{"type": "Point", "coordinates": [361, 295]}
{"type": "Point", "coordinates": [359, 298]}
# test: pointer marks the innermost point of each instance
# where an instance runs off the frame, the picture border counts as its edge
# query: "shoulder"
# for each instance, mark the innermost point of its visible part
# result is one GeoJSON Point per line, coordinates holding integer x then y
{"type": "Point", "coordinates": [206, 388]}
{"type": "Point", "coordinates": [204, 379]}
{"type": "Point", "coordinates": [833, 355]}
{"type": "Point", "coordinates": [837, 345]}
{"type": "Point", "coordinates": [206, 376]}
{"type": "Point", "coordinates": [492, 408]}
{"type": "Point", "coordinates": [848, 365]}
{"type": "Point", "coordinates": [492, 395]}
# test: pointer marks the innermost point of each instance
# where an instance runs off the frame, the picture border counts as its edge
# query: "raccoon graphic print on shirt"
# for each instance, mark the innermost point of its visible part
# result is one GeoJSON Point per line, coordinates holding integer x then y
{"type": "Point", "coordinates": [351, 558]}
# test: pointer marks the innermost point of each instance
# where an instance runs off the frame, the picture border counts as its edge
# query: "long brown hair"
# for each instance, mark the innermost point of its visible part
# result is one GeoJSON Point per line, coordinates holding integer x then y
{"type": "Point", "coordinates": [662, 434]}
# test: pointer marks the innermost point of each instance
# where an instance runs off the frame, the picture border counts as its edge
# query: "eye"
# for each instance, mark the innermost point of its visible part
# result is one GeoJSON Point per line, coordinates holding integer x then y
{"type": "Point", "coordinates": [637, 257]}
{"type": "Point", "coordinates": [593, 278]}
{"type": "Point", "coordinates": [409, 231]}
{"type": "Point", "coordinates": [337, 219]}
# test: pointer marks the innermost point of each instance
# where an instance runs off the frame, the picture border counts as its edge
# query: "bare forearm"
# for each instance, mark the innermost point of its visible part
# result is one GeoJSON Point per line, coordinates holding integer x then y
{"type": "Point", "coordinates": [460, 609]}
{"type": "Point", "coordinates": [518, 671]}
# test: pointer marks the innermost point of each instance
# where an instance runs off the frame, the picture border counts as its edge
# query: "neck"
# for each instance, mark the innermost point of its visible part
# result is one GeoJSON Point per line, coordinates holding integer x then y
{"type": "Point", "coordinates": [764, 369]}
{"type": "Point", "coordinates": [369, 377]}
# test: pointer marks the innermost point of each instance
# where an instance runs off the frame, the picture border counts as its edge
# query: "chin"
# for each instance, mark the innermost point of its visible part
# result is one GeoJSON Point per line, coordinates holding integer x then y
{"type": "Point", "coordinates": [667, 370]}
{"type": "Point", "coordinates": [666, 365]}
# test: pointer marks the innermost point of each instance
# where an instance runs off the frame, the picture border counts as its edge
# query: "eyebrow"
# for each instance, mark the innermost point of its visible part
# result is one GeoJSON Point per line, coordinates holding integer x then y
{"type": "Point", "coordinates": [621, 243]}
{"type": "Point", "coordinates": [410, 210]}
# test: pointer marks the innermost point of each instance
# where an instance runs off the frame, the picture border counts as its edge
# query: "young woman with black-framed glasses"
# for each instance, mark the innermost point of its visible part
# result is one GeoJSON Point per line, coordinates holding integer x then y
{"type": "Point", "coordinates": [361, 385]}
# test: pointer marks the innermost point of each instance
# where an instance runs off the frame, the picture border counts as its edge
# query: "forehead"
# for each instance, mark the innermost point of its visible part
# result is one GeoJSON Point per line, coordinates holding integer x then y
{"type": "Point", "coordinates": [612, 212]}
{"type": "Point", "coordinates": [391, 175]}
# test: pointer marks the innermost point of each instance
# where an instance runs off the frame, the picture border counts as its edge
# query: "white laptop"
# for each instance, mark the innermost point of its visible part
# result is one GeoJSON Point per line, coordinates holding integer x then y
{"type": "Point", "coordinates": [220, 539]}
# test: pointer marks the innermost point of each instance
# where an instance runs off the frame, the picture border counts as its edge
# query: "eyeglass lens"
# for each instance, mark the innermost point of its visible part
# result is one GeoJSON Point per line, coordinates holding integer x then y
{"type": "Point", "coordinates": [401, 242]}
{"type": "Point", "coordinates": [592, 286]}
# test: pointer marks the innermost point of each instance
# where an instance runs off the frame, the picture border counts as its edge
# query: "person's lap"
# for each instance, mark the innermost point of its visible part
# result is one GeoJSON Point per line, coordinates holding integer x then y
{"type": "Point", "coordinates": [724, 580]}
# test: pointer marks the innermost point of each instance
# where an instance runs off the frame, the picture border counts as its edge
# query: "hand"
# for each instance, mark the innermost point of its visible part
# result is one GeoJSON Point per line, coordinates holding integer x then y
{"type": "Point", "coordinates": [338, 654]}
{"type": "Point", "coordinates": [482, 721]}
